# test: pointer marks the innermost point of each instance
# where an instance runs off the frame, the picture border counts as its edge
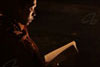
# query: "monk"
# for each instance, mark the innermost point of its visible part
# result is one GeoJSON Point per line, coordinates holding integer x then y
{"type": "Point", "coordinates": [17, 48]}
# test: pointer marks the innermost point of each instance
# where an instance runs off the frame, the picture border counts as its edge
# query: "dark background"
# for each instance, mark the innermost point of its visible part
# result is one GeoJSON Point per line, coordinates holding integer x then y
{"type": "Point", "coordinates": [60, 22]}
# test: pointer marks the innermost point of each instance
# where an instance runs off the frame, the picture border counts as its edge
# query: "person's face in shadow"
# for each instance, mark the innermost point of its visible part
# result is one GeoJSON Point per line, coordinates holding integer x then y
{"type": "Point", "coordinates": [32, 12]}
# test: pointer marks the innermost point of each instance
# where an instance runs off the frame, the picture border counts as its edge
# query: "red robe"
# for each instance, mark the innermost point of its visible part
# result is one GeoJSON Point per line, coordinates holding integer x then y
{"type": "Point", "coordinates": [17, 48]}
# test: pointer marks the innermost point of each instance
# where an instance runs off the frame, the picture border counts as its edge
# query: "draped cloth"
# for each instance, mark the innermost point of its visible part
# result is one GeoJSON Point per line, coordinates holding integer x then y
{"type": "Point", "coordinates": [16, 47]}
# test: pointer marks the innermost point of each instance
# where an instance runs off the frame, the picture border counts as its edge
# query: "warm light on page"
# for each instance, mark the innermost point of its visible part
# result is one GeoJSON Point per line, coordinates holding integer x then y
{"type": "Point", "coordinates": [50, 56]}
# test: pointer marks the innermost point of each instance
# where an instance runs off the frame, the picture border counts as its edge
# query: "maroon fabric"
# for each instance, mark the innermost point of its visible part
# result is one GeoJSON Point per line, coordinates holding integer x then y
{"type": "Point", "coordinates": [14, 51]}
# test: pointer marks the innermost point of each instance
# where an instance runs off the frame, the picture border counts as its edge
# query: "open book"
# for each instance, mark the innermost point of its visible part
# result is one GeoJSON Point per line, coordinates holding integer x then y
{"type": "Point", "coordinates": [52, 55]}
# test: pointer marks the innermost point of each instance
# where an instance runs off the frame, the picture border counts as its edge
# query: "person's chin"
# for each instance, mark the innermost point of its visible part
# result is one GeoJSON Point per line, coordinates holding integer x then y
{"type": "Point", "coordinates": [28, 23]}
{"type": "Point", "coordinates": [30, 19]}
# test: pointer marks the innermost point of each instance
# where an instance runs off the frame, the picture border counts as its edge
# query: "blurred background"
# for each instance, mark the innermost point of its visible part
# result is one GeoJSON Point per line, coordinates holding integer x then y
{"type": "Point", "coordinates": [60, 22]}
